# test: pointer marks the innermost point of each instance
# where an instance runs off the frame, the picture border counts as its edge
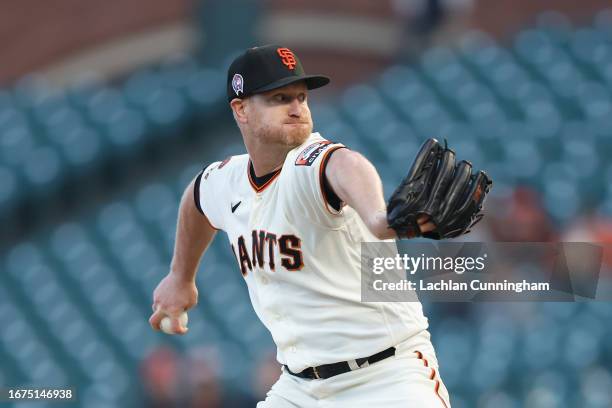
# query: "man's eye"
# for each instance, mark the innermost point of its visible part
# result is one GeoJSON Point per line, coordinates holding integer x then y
{"type": "Point", "coordinates": [279, 98]}
{"type": "Point", "coordinates": [302, 97]}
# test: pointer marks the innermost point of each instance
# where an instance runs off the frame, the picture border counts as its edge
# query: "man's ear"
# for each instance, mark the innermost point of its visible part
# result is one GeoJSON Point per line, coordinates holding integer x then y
{"type": "Point", "coordinates": [239, 108]}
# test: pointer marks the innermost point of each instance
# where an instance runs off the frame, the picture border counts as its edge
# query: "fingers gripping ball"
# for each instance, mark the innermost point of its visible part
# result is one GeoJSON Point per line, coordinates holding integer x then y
{"type": "Point", "coordinates": [166, 323]}
{"type": "Point", "coordinates": [447, 191]}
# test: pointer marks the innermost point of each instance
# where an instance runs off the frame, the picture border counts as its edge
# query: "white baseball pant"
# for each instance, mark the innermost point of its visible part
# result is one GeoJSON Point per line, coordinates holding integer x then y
{"type": "Point", "coordinates": [408, 379]}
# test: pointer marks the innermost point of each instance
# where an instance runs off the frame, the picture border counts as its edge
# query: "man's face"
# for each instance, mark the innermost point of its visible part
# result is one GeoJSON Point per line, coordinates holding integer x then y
{"type": "Point", "coordinates": [281, 116]}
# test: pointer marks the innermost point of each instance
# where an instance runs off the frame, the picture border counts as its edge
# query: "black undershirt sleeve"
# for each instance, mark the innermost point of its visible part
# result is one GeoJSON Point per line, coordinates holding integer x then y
{"type": "Point", "coordinates": [196, 191]}
{"type": "Point", "coordinates": [332, 198]}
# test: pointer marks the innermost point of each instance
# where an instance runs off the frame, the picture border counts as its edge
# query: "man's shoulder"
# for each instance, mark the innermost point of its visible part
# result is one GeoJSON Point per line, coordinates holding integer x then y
{"type": "Point", "coordinates": [228, 164]}
{"type": "Point", "coordinates": [307, 153]}
{"type": "Point", "coordinates": [225, 170]}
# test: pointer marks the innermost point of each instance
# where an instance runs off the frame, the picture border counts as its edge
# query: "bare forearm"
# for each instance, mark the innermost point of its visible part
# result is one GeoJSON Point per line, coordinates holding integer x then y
{"type": "Point", "coordinates": [193, 235]}
{"type": "Point", "coordinates": [356, 182]}
{"type": "Point", "coordinates": [364, 193]}
{"type": "Point", "coordinates": [379, 227]}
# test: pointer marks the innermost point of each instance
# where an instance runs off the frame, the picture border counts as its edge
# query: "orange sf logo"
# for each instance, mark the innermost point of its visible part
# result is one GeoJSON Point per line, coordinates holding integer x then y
{"type": "Point", "coordinates": [287, 57]}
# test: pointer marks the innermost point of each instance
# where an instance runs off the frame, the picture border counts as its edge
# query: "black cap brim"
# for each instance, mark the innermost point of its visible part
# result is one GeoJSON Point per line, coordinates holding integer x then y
{"type": "Point", "coordinates": [312, 82]}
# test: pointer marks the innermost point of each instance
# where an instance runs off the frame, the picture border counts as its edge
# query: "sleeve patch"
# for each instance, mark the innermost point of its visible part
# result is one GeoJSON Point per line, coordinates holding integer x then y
{"type": "Point", "coordinates": [210, 168]}
{"type": "Point", "coordinates": [310, 153]}
{"type": "Point", "coordinates": [224, 162]}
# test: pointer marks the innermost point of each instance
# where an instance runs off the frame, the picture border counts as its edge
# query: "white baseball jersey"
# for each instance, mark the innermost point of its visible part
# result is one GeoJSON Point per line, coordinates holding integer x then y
{"type": "Point", "coordinates": [301, 259]}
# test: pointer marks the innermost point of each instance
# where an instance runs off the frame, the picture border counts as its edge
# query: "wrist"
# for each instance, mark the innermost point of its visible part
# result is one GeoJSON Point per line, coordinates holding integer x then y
{"type": "Point", "coordinates": [182, 275]}
{"type": "Point", "coordinates": [379, 226]}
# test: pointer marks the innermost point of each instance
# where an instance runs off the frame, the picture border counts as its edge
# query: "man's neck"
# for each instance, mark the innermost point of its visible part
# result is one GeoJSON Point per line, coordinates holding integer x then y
{"type": "Point", "coordinates": [267, 158]}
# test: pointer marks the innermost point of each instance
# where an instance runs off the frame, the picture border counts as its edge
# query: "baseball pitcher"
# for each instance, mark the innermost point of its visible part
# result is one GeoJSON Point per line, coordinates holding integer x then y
{"type": "Point", "coordinates": [296, 209]}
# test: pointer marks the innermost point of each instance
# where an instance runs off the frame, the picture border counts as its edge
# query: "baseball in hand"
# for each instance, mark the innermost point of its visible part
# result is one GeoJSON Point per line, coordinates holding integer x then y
{"type": "Point", "coordinates": [166, 323]}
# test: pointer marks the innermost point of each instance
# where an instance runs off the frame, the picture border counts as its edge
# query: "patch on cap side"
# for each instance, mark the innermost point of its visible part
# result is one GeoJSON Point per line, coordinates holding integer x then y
{"type": "Point", "coordinates": [287, 57]}
{"type": "Point", "coordinates": [238, 84]}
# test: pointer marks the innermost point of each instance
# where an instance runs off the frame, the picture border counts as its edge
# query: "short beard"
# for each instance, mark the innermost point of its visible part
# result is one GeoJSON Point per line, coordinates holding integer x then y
{"type": "Point", "coordinates": [292, 137]}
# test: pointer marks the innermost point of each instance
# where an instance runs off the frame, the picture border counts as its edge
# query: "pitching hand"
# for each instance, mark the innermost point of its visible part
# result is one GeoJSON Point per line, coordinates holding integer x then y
{"type": "Point", "coordinates": [172, 297]}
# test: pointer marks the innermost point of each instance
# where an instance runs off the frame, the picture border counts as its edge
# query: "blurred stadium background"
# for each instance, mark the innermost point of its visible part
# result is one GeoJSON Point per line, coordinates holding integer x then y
{"type": "Point", "coordinates": [108, 109]}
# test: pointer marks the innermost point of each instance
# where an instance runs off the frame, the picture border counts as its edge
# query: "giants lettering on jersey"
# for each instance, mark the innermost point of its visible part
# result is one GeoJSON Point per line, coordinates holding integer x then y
{"type": "Point", "coordinates": [263, 249]}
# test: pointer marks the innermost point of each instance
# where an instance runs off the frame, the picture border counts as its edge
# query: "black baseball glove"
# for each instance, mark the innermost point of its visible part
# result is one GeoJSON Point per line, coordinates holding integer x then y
{"type": "Point", "coordinates": [446, 191]}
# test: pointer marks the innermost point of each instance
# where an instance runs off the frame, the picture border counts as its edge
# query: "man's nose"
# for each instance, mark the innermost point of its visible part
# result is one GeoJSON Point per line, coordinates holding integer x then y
{"type": "Point", "coordinates": [295, 108]}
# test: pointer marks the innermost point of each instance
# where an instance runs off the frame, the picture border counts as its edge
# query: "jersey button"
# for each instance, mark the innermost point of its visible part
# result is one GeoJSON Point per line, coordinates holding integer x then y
{"type": "Point", "coordinates": [263, 280]}
{"type": "Point", "coordinates": [293, 349]}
